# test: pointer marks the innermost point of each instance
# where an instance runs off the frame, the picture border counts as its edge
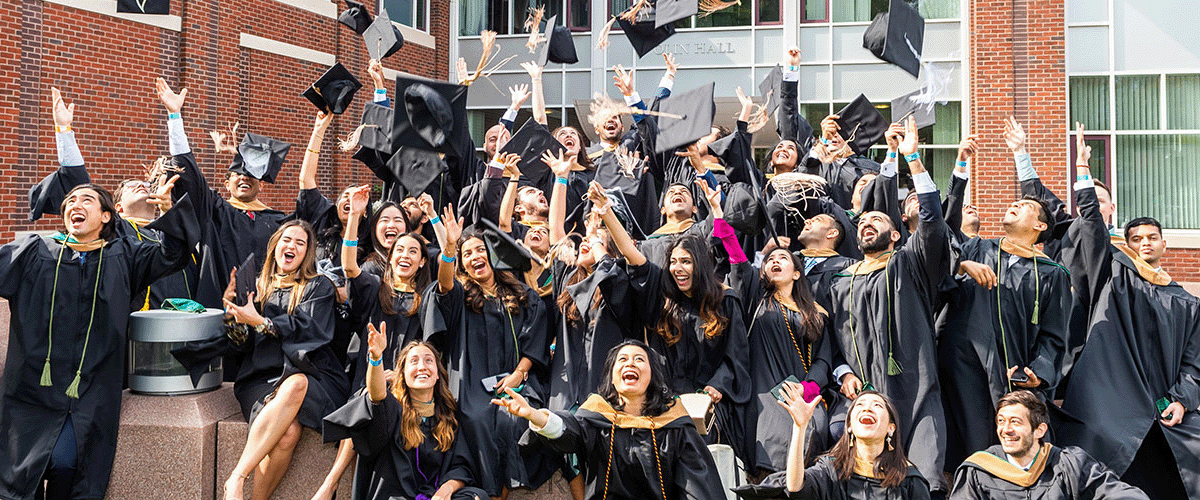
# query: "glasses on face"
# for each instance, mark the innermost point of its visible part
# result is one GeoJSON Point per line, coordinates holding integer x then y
{"type": "Point", "coordinates": [134, 184]}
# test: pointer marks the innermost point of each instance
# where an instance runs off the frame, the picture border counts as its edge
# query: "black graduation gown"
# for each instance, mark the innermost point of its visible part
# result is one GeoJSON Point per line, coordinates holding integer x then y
{"type": "Point", "coordinates": [577, 367]}
{"type": "Point", "coordinates": [479, 345]}
{"type": "Point", "coordinates": [401, 328]}
{"type": "Point", "coordinates": [892, 308]}
{"type": "Point", "coordinates": [1068, 474]}
{"type": "Point", "coordinates": [695, 361]}
{"type": "Point", "coordinates": [229, 235]}
{"type": "Point", "coordinates": [300, 345]}
{"type": "Point", "coordinates": [1144, 344]}
{"type": "Point", "coordinates": [387, 469]}
{"type": "Point", "coordinates": [976, 346]}
{"type": "Point", "coordinates": [636, 458]}
{"type": "Point", "coordinates": [821, 482]}
{"type": "Point", "coordinates": [314, 208]}
{"type": "Point", "coordinates": [779, 348]}
{"type": "Point", "coordinates": [820, 276]}
{"type": "Point", "coordinates": [31, 416]}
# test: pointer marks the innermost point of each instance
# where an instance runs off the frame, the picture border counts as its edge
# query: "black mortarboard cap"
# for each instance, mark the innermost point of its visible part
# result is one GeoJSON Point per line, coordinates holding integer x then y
{"type": "Point", "coordinates": [644, 35]}
{"type": "Point", "coordinates": [505, 252]}
{"type": "Point", "coordinates": [559, 47]}
{"type": "Point", "coordinates": [377, 134]}
{"type": "Point", "coordinates": [355, 16]}
{"type": "Point", "coordinates": [335, 89]}
{"type": "Point", "coordinates": [382, 37]}
{"type": "Point", "coordinates": [669, 11]}
{"type": "Point", "coordinates": [529, 142]}
{"type": "Point", "coordinates": [695, 109]}
{"type": "Point", "coordinates": [896, 36]}
{"type": "Point", "coordinates": [415, 169]}
{"type": "Point", "coordinates": [904, 105]}
{"type": "Point", "coordinates": [246, 280]}
{"type": "Point", "coordinates": [144, 6]}
{"type": "Point", "coordinates": [860, 124]}
{"type": "Point", "coordinates": [773, 85]}
{"type": "Point", "coordinates": [744, 210]}
{"type": "Point", "coordinates": [260, 157]}
{"type": "Point", "coordinates": [430, 115]}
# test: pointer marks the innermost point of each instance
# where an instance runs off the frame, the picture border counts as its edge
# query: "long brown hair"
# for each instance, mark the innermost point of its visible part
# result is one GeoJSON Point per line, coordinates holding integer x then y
{"type": "Point", "coordinates": [510, 290]}
{"type": "Point", "coordinates": [444, 404]}
{"type": "Point", "coordinates": [565, 302]}
{"type": "Point", "coordinates": [305, 273]}
{"type": "Point", "coordinates": [891, 466]}
{"type": "Point", "coordinates": [387, 291]}
{"type": "Point", "coordinates": [812, 321]}
{"type": "Point", "coordinates": [707, 293]}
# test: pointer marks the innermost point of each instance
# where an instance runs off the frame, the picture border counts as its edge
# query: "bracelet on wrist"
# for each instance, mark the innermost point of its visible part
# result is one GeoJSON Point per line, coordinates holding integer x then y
{"type": "Point", "coordinates": [313, 151]}
{"type": "Point", "coordinates": [1083, 177]}
{"type": "Point", "coordinates": [916, 156]}
{"type": "Point", "coordinates": [63, 129]}
{"type": "Point", "coordinates": [349, 243]}
{"type": "Point", "coordinates": [381, 91]}
{"type": "Point", "coordinates": [435, 220]}
{"type": "Point", "coordinates": [373, 361]}
{"type": "Point", "coordinates": [892, 155]}
{"type": "Point", "coordinates": [562, 180]}
{"type": "Point", "coordinates": [448, 259]}
{"type": "Point", "coordinates": [173, 116]}
{"type": "Point", "coordinates": [960, 163]}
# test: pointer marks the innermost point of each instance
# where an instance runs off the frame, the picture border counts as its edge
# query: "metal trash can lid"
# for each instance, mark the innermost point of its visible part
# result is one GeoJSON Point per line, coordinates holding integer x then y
{"type": "Point", "coordinates": [160, 325]}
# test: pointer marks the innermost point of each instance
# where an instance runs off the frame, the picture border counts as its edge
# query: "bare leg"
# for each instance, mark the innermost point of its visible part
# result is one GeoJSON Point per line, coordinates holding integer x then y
{"type": "Point", "coordinates": [272, 468]}
{"type": "Point", "coordinates": [270, 425]}
{"type": "Point", "coordinates": [503, 494]}
{"type": "Point", "coordinates": [577, 487]}
{"type": "Point", "coordinates": [344, 458]}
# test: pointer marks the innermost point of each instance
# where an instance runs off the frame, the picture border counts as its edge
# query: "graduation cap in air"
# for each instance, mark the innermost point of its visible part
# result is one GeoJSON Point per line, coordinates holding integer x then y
{"type": "Point", "coordinates": [259, 157]}
{"type": "Point", "coordinates": [772, 85]}
{"type": "Point", "coordinates": [144, 6]}
{"type": "Point", "coordinates": [645, 34]}
{"type": "Point", "coordinates": [377, 132]}
{"type": "Point", "coordinates": [861, 125]}
{"type": "Point", "coordinates": [355, 16]}
{"type": "Point", "coordinates": [695, 109]}
{"type": "Point", "coordinates": [415, 169]}
{"type": "Point", "coordinates": [906, 104]}
{"type": "Point", "coordinates": [530, 141]}
{"type": "Point", "coordinates": [335, 89]}
{"type": "Point", "coordinates": [896, 36]}
{"type": "Point", "coordinates": [668, 11]}
{"type": "Point", "coordinates": [506, 253]}
{"type": "Point", "coordinates": [431, 115]}
{"type": "Point", "coordinates": [382, 37]}
{"type": "Point", "coordinates": [559, 47]}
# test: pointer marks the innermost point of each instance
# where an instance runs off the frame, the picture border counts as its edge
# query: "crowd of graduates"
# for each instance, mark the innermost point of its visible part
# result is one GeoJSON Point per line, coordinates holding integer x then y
{"type": "Point", "coordinates": [471, 324]}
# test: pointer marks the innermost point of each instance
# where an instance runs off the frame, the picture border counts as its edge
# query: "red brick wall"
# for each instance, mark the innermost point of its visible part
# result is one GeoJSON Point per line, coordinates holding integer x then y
{"type": "Point", "coordinates": [107, 65]}
{"type": "Point", "coordinates": [1018, 68]}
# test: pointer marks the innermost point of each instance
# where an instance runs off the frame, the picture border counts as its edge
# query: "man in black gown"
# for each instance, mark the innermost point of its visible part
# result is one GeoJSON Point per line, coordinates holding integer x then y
{"type": "Point", "coordinates": [1025, 466]}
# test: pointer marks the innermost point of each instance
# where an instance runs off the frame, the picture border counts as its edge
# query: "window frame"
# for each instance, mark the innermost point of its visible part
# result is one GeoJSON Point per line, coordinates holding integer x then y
{"type": "Point", "coordinates": [380, 5]}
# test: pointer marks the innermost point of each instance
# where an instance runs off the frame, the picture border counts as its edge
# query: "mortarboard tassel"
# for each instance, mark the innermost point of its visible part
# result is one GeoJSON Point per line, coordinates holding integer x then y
{"type": "Point", "coordinates": [1037, 292]}
{"type": "Point", "coordinates": [635, 11]}
{"type": "Point", "coordinates": [602, 39]}
{"type": "Point", "coordinates": [712, 6]}
{"type": "Point", "coordinates": [223, 140]}
{"type": "Point", "coordinates": [894, 367]}
{"type": "Point", "coordinates": [487, 39]}
{"type": "Point", "coordinates": [532, 23]}
{"type": "Point", "coordinates": [352, 140]}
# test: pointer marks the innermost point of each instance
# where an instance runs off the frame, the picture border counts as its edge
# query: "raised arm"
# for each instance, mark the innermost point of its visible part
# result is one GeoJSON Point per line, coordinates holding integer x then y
{"type": "Point", "coordinates": [509, 202]}
{"type": "Point", "coordinates": [1087, 251]}
{"type": "Point", "coordinates": [539, 98]}
{"type": "Point", "coordinates": [801, 412]}
{"type": "Point", "coordinates": [1031, 184]}
{"type": "Point", "coordinates": [791, 123]}
{"type": "Point", "coordinates": [359, 198]}
{"type": "Point", "coordinates": [931, 240]}
{"type": "Point", "coordinates": [376, 344]}
{"type": "Point", "coordinates": [518, 95]}
{"type": "Point", "coordinates": [625, 243]}
{"type": "Point", "coordinates": [953, 204]}
{"type": "Point", "coordinates": [561, 167]}
{"type": "Point", "coordinates": [453, 230]}
{"type": "Point", "coordinates": [47, 195]}
{"type": "Point", "coordinates": [312, 155]}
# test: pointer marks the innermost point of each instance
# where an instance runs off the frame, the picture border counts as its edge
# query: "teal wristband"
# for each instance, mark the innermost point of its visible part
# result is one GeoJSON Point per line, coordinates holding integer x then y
{"type": "Point", "coordinates": [381, 91]}
{"type": "Point", "coordinates": [447, 259]}
{"type": "Point", "coordinates": [562, 180]}
{"type": "Point", "coordinates": [960, 163]}
{"type": "Point", "coordinates": [912, 157]}
{"type": "Point", "coordinates": [892, 156]}
{"type": "Point", "coordinates": [435, 220]}
{"type": "Point", "coordinates": [1082, 177]}
{"type": "Point", "coordinates": [349, 243]}
{"type": "Point", "coordinates": [172, 116]}
{"type": "Point", "coordinates": [374, 362]}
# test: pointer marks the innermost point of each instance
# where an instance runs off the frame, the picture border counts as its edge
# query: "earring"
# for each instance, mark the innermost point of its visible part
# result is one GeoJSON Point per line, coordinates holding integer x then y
{"type": "Point", "coordinates": [889, 443]}
{"type": "Point", "coordinates": [852, 439]}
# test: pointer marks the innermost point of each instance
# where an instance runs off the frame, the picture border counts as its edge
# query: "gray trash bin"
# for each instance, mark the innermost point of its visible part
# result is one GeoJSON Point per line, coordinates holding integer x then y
{"type": "Point", "coordinates": [152, 335]}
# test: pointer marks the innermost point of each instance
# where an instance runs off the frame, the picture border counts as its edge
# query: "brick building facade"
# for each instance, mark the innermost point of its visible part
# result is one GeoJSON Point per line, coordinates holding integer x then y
{"type": "Point", "coordinates": [245, 62]}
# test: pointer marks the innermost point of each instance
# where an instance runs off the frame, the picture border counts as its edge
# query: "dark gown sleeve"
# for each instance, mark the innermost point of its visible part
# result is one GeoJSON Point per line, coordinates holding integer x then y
{"type": "Point", "coordinates": [882, 195]}
{"type": "Point", "coordinates": [574, 439]}
{"type": "Point", "coordinates": [821, 368]}
{"type": "Point", "coordinates": [931, 241]}
{"type": "Point", "coordinates": [309, 326]}
{"type": "Point", "coordinates": [1053, 322]}
{"type": "Point", "coordinates": [1087, 251]}
{"type": "Point", "coordinates": [791, 124]}
{"type": "Point", "coordinates": [1058, 209]}
{"type": "Point", "coordinates": [645, 283]}
{"type": "Point", "coordinates": [482, 200]}
{"type": "Point", "coordinates": [442, 315]}
{"type": "Point", "coordinates": [180, 233]}
{"type": "Point", "coordinates": [458, 465]}
{"type": "Point", "coordinates": [15, 262]}
{"type": "Point", "coordinates": [966, 485]}
{"type": "Point", "coordinates": [372, 426]}
{"type": "Point", "coordinates": [732, 377]}
{"type": "Point", "coordinates": [364, 295]}
{"type": "Point", "coordinates": [192, 184]}
{"type": "Point", "coordinates": [739, 159]}
{"type": "Point", "coordinates": [952, 206]}
{"type": "Point", "coordinates": [695, 473]}
{"type": "Point", "coordinates": [533, 337]}
{"type": "Point", "coordinates": [1090, 479]}
{"type": "Point", "coordinates": [46, 197]}
{"type": "Point", "coordinates": [310, 205]}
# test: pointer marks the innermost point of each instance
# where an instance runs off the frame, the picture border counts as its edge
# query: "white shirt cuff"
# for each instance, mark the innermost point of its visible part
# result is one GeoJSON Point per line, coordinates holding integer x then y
{"type": "Point", "coordinates": [841, 371]}
{"type": "Point", "coordinates": [923, 183]}
{"type": "Point", "coordinates": [667, 82]}
{"type": "Point", "coordinates": [554, 426]}
{"type": "Point", "coordinates": [966, 176]}
{"type": "Point", "coordinates": [177, 137]}
{"type": "Point", "coordinates": [68, 150]}
{"type": "Point", "coordinates": [1025, 169]}
{"type": "Point", "coordinates": [888, 169]}
{"type": "Point", "coordinates": [633, 98]}
{"type": "Point", "coordinates": [380, 96]}
{"type": "Point", "coordinates": [509, 115]}
{"type": "Point", "coordinates": [1084, 184]}
{"type": "Point", "coordinates": [791, 76]}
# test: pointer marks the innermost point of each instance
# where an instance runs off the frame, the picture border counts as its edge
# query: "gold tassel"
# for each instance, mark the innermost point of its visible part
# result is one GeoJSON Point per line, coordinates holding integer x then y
{"type": "Point", "coordinates": [73, 389]}
{"type": "Point", "coordinates": [352, 140]}
{"type": "Point", "coordinates": [758, 120]}
{"type": "Point", "coordinates": [532, 23]}
{"type": "Point", "coordinates": [894, 367]}
{"type": "Point", "coordinates": [46, 373]}
{"type": "Point", "coordinates": [487, 39]}
{"type": "Point", "coordinates": [711, 6]}
{"type": "Point", "coordinates": [635, 12]}
{"type": "Point", "coordinates": [602, 39]}
{"type": "Point", "coordinates": [225, 140]}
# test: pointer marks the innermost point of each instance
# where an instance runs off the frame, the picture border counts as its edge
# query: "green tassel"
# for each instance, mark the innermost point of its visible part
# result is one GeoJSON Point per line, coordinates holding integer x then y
{"type": "Point", "coordinates": [894, 367]}
{"type": "Point", "coordinates": [73, 389]}
{"type": "Point", "coordinates": [1035, 313]}
{"type": "Point", "coordinates": [46, 373]}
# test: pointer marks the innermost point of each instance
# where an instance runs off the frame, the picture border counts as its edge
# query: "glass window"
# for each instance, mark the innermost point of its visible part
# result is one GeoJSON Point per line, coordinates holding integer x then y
{"type": "Point", "coordinates": [1148, 183]}
{"type": "Point", "coordinates": [865, 10]}
{"type": "Point", "coordinates": [937, 9]}
{"type": "Point", "coordinates": [770, 11]}
{"type": "Point", "coordinates": [580, 14]}
{"type": "Point", "coordinates": [1137, 102]}
{"type": "Point", "coordinates": [816, 10]}
{"type": "Point", "coordinates": [857, 10]}
{"type": "Point", "coordinates": [736, 15]}
{"type": "Point", "coordinates": [411, 13]}
{"type": "Point", "coordinates": [479, 15]}
{"type": "Point", "coordinates": [1089, 102]}
{"type": "Point", "coordinates": [521, 9]}
{"type": "Point", "coordinates": [1183, 102]}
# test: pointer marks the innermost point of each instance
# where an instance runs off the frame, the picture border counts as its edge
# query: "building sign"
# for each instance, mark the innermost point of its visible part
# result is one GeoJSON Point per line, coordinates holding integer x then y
{"type": "Point", "coordinates": [696, 48]}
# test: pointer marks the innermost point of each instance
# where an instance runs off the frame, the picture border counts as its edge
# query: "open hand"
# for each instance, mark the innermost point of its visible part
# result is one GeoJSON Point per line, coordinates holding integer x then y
{"type": "Point", "coordinates": [1014, 135]}
{"type": "Point", "coordinates": [793, 402]}
{"type": "Point", "coordinates": [376, 340]}
{"type": "Point", "coordinates": [672, 68]}
{"type": "Point", "coordinates": [515, 404]}
{"type": "Point", "coordinates": [559, 165]}
{"type": "Point", "coordinates": [63, 114]}
{"type": "Point", "coordinates": [518, 93]}
{"type": "Point", "coordinates": [454, 229]}
{"type": "Point", "coordinates": [246, 314]}
{"type": "Point", "coordinates": [172, 101]}
{"type": "Point", "coordinates": [623, 80]}
{"type": "Point", "coordinates": [908, 144]}
{"type": "Point", "coordinates": [967, 148]}
{"type": "Point", "coordinates": [359, 198]}
{"type": "Point", "coordinates": [981, 273]}
{"type": "Point", "coordinates": [162, 197]}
